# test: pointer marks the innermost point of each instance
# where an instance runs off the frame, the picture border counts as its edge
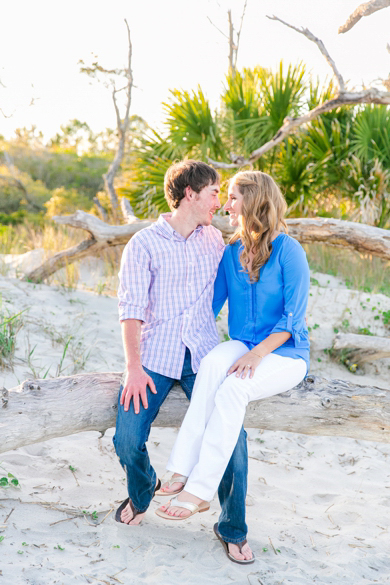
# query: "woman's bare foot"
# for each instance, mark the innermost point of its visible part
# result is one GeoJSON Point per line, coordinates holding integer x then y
{"type": "Point", "coordinates": [168, 489]}
{"type": "Point", "coordinates": [244, 555]}
{"type": "Point", "coordinates": [182, 512]}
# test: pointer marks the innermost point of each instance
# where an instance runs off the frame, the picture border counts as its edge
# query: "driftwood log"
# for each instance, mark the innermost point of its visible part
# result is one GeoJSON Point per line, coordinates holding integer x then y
{"type": "Point", "coordinates": [334, 232]}
{"type": "Point", "coordinates": [38, 410]}
{"type": "Point", "coordinates": [363, 348]}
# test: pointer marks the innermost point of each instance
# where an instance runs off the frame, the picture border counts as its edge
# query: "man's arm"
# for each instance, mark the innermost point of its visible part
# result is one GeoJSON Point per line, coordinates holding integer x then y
{"type": "Point", "coordinates": [136, 379]}
{"type": "Point", "coordinates": [133, 294]}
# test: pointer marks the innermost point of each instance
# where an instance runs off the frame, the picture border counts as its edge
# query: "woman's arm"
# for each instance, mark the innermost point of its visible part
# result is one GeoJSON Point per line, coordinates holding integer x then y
{"type": "Point", "coordinates": [220, 288]}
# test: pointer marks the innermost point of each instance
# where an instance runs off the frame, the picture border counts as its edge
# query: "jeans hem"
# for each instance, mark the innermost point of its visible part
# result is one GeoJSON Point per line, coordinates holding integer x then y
{"type": "Point", "coordinates": [232, 540]}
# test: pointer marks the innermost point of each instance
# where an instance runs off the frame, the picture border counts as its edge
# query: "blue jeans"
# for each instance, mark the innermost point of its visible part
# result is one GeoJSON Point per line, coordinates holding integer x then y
{"type": "Point", "coordinates": [131, 434]}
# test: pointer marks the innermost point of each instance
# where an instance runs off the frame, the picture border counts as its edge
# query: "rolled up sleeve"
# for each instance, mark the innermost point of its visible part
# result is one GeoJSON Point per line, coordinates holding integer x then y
{"type": "Point", "coordinates": [296, 283]}
{"type": "Point", "coordinates": [134, 281]}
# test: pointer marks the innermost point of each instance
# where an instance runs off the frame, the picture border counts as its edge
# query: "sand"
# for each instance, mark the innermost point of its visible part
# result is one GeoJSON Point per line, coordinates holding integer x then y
{"type": "Point", "coordinates": [318, 508]}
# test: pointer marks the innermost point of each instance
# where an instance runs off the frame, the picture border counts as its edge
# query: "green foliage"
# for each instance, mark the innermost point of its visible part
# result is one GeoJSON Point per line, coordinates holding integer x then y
{"type": "Point", "coordinates": [371, 138]}
{"type": "Point", "coordinates": [191, 125]}
{"type": "Point", "coordinates": [66, 201]}
{"type": "Point", "coordinates": [63, 169]}
{"type": "Point", "coordinates": [283, 94]}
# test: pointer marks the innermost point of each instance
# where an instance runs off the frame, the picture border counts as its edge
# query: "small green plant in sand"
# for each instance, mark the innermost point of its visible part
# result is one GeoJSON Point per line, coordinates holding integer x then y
{"type": "Point", "coordinates": [8, 480]}
{"type": "Point", "coordinates": [10, 325]}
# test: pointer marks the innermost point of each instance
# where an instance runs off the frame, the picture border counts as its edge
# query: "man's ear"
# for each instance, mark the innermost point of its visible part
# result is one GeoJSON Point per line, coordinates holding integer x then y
{"type": "Point", "coordinates": [189, 193]}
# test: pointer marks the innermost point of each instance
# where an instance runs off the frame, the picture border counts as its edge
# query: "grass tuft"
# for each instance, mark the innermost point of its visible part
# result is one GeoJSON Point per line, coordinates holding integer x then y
{"type": "Point", "coordinates": [359, 271]}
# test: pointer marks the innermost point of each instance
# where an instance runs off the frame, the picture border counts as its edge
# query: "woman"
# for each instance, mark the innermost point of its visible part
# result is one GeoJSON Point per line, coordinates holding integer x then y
{"type": "Point", "coordinates": [265, 277]}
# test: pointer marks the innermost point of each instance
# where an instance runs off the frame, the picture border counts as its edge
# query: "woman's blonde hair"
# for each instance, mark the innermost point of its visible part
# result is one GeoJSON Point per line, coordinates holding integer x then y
{"type": "Point", "coordinates": [262, 213]}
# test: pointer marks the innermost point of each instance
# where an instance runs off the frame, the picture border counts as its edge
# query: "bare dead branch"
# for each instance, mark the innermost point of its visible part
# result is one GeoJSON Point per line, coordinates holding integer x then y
{"type": "Point", "coordinates": [309, 35]}
{"type": "Point", "coordinates": [101, 209]}
{"type": "Point", "coordinates": [218, 29]}
{"type": "Point", "coordinates": [122, 130]}
{"type": "Point", "coordinates": [5, 115]}
{"type": "Point", "coordinates": [239, 34]}
{"type": "Point", "coordinates": [363, 10]}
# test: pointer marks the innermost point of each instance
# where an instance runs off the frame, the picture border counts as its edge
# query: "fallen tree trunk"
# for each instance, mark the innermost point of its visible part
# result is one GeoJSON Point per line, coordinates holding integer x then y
{"type": "Point", "coordinates": [334, 232]}
{"type": "Point", "coordinates": [364, 348]}
{"type": "Point", "coordinates": [39, 410]}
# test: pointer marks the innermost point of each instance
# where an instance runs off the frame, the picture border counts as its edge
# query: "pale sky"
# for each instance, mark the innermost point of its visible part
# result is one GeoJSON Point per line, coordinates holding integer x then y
{"type": "Point", "coordinates": [174, 46]}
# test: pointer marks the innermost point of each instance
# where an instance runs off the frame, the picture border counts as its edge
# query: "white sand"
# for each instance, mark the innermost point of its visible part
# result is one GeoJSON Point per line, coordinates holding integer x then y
{"type": "Point", "coordinates": [323, 502]}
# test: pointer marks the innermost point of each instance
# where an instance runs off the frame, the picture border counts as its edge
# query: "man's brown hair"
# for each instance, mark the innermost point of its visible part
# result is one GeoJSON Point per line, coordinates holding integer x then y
{"type": "Point", "coordinates": [187, 173]}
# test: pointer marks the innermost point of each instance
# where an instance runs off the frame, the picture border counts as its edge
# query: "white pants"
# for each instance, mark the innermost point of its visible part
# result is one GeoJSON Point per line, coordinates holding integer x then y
{"type": "Point", "coordinates": [211, 427]}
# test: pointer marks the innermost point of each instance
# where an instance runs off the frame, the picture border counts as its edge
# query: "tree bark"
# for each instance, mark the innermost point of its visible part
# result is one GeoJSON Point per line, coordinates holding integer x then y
{"type": "Point", "coordinates": [334, 232]}
{"type": "Point", "coordinates": [364, 348]}
{"type": "Point", "coordinates": [39, 410]}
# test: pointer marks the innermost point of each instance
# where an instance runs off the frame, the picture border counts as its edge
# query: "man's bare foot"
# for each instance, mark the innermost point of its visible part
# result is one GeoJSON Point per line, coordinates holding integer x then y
{"type": "Point", "coordinates": [244, 555]}
{"type": "Point", "coordinates": [182, 512]}
{"type": "Point", "coordinates": [174, 487]}
{"type": "Point", "coordinates": [127, 515]}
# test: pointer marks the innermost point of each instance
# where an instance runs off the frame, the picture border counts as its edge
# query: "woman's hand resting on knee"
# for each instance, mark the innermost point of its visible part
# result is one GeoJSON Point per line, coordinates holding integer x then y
{"type": "Point", "coordinates": [245, 364]}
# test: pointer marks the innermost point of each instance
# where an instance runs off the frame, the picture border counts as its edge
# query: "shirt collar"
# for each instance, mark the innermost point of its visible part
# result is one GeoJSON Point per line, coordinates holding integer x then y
{"type": "Point", "coordinates": [168, 230]}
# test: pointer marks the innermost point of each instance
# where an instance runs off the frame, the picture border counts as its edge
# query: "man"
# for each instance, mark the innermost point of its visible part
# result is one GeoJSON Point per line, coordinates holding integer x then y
{"type": "Point", "coordinates": [165, 308]}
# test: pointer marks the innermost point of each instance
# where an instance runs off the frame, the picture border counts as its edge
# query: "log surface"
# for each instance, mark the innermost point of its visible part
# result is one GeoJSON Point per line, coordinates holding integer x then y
{"type": "Point", "coordinates": [39, 410]}
{"type": "Point", "coordinates": [365, 347]}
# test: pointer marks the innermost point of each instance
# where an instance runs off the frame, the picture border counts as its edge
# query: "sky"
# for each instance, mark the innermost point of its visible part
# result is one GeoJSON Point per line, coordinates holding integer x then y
{"type": "Point", "coordinates": [174, 46]}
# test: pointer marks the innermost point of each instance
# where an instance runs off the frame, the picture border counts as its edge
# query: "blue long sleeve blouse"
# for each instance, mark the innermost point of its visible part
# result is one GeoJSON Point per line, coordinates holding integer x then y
{"type": "Point", "coordinates": [276, 302]}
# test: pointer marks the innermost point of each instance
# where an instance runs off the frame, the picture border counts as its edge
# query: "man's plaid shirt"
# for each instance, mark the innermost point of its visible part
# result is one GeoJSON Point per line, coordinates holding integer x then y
{"type": "Point", "coordinates": [167, 281]}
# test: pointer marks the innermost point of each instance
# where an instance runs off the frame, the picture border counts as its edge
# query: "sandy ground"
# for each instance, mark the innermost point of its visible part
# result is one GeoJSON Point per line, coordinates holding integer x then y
{"type": "Point", "coordinates": [318, 508]}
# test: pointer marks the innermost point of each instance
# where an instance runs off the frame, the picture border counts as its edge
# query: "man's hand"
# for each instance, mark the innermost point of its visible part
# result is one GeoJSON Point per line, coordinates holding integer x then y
{"type": "Point", "coordinates": [136, 381]}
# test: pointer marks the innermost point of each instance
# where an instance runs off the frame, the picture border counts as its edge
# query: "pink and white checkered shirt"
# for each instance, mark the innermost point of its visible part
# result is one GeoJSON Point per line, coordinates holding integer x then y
{"type": "Point", "coordinates": [167, 281]}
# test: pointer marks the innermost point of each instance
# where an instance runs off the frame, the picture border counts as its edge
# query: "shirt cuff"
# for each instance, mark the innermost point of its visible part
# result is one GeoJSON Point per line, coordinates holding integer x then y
{"type": "Point", "coordinates": [130, 312]}
{"type": "Point", "coordinates": [286, 324]}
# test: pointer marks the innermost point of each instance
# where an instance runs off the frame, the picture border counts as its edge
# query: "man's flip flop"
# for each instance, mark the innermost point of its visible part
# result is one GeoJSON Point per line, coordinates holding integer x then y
{"type": "Point", "coordinates": [179, 479]}
{"type": "Point", "coordinates": [193, 508]}
{"type": "Point", "coordinates": [226, 548]}
{"type": "Point", "coordinates": [128, 501]}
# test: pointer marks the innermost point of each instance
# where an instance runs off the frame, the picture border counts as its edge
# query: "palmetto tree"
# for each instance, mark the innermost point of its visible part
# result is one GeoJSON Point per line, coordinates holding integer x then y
{"type": "Point", "coordinates": [330, 152]}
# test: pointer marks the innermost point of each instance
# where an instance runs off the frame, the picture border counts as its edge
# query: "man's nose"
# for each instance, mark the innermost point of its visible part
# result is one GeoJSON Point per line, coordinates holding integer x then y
{"type": "Point", "coordinates": [218, 203]}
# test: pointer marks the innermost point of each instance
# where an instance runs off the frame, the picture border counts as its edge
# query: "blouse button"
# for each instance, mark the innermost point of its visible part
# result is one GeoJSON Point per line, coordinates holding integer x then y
{"type": "Point", "coordinates": [290, 314]}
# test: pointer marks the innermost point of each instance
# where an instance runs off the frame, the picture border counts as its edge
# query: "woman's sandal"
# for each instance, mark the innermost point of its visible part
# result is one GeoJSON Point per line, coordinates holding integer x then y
{"type": "Point", "coordinates": [226, 548]}
{"type": "Point", "coordinates": [193, 508]}
{"type": "Point", "coordinates": [178, 479]}
{"type": "Point", "coordinates": [128, 501]}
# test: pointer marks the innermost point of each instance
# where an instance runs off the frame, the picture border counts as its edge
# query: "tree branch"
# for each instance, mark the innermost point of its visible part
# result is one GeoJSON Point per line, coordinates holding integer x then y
{"type": "Point", "coordinates": [333, 232]}
{"type": "Point", "coordinates": [309, 35]}
{"type": "Point", "coordinates": [239, 34]}
{"type": "Point", "coordinates": [363, 10]}
{"type": "Point", "coordinates": [367, 96]}
{"type": "Point", "coordinates": [218, 29]}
